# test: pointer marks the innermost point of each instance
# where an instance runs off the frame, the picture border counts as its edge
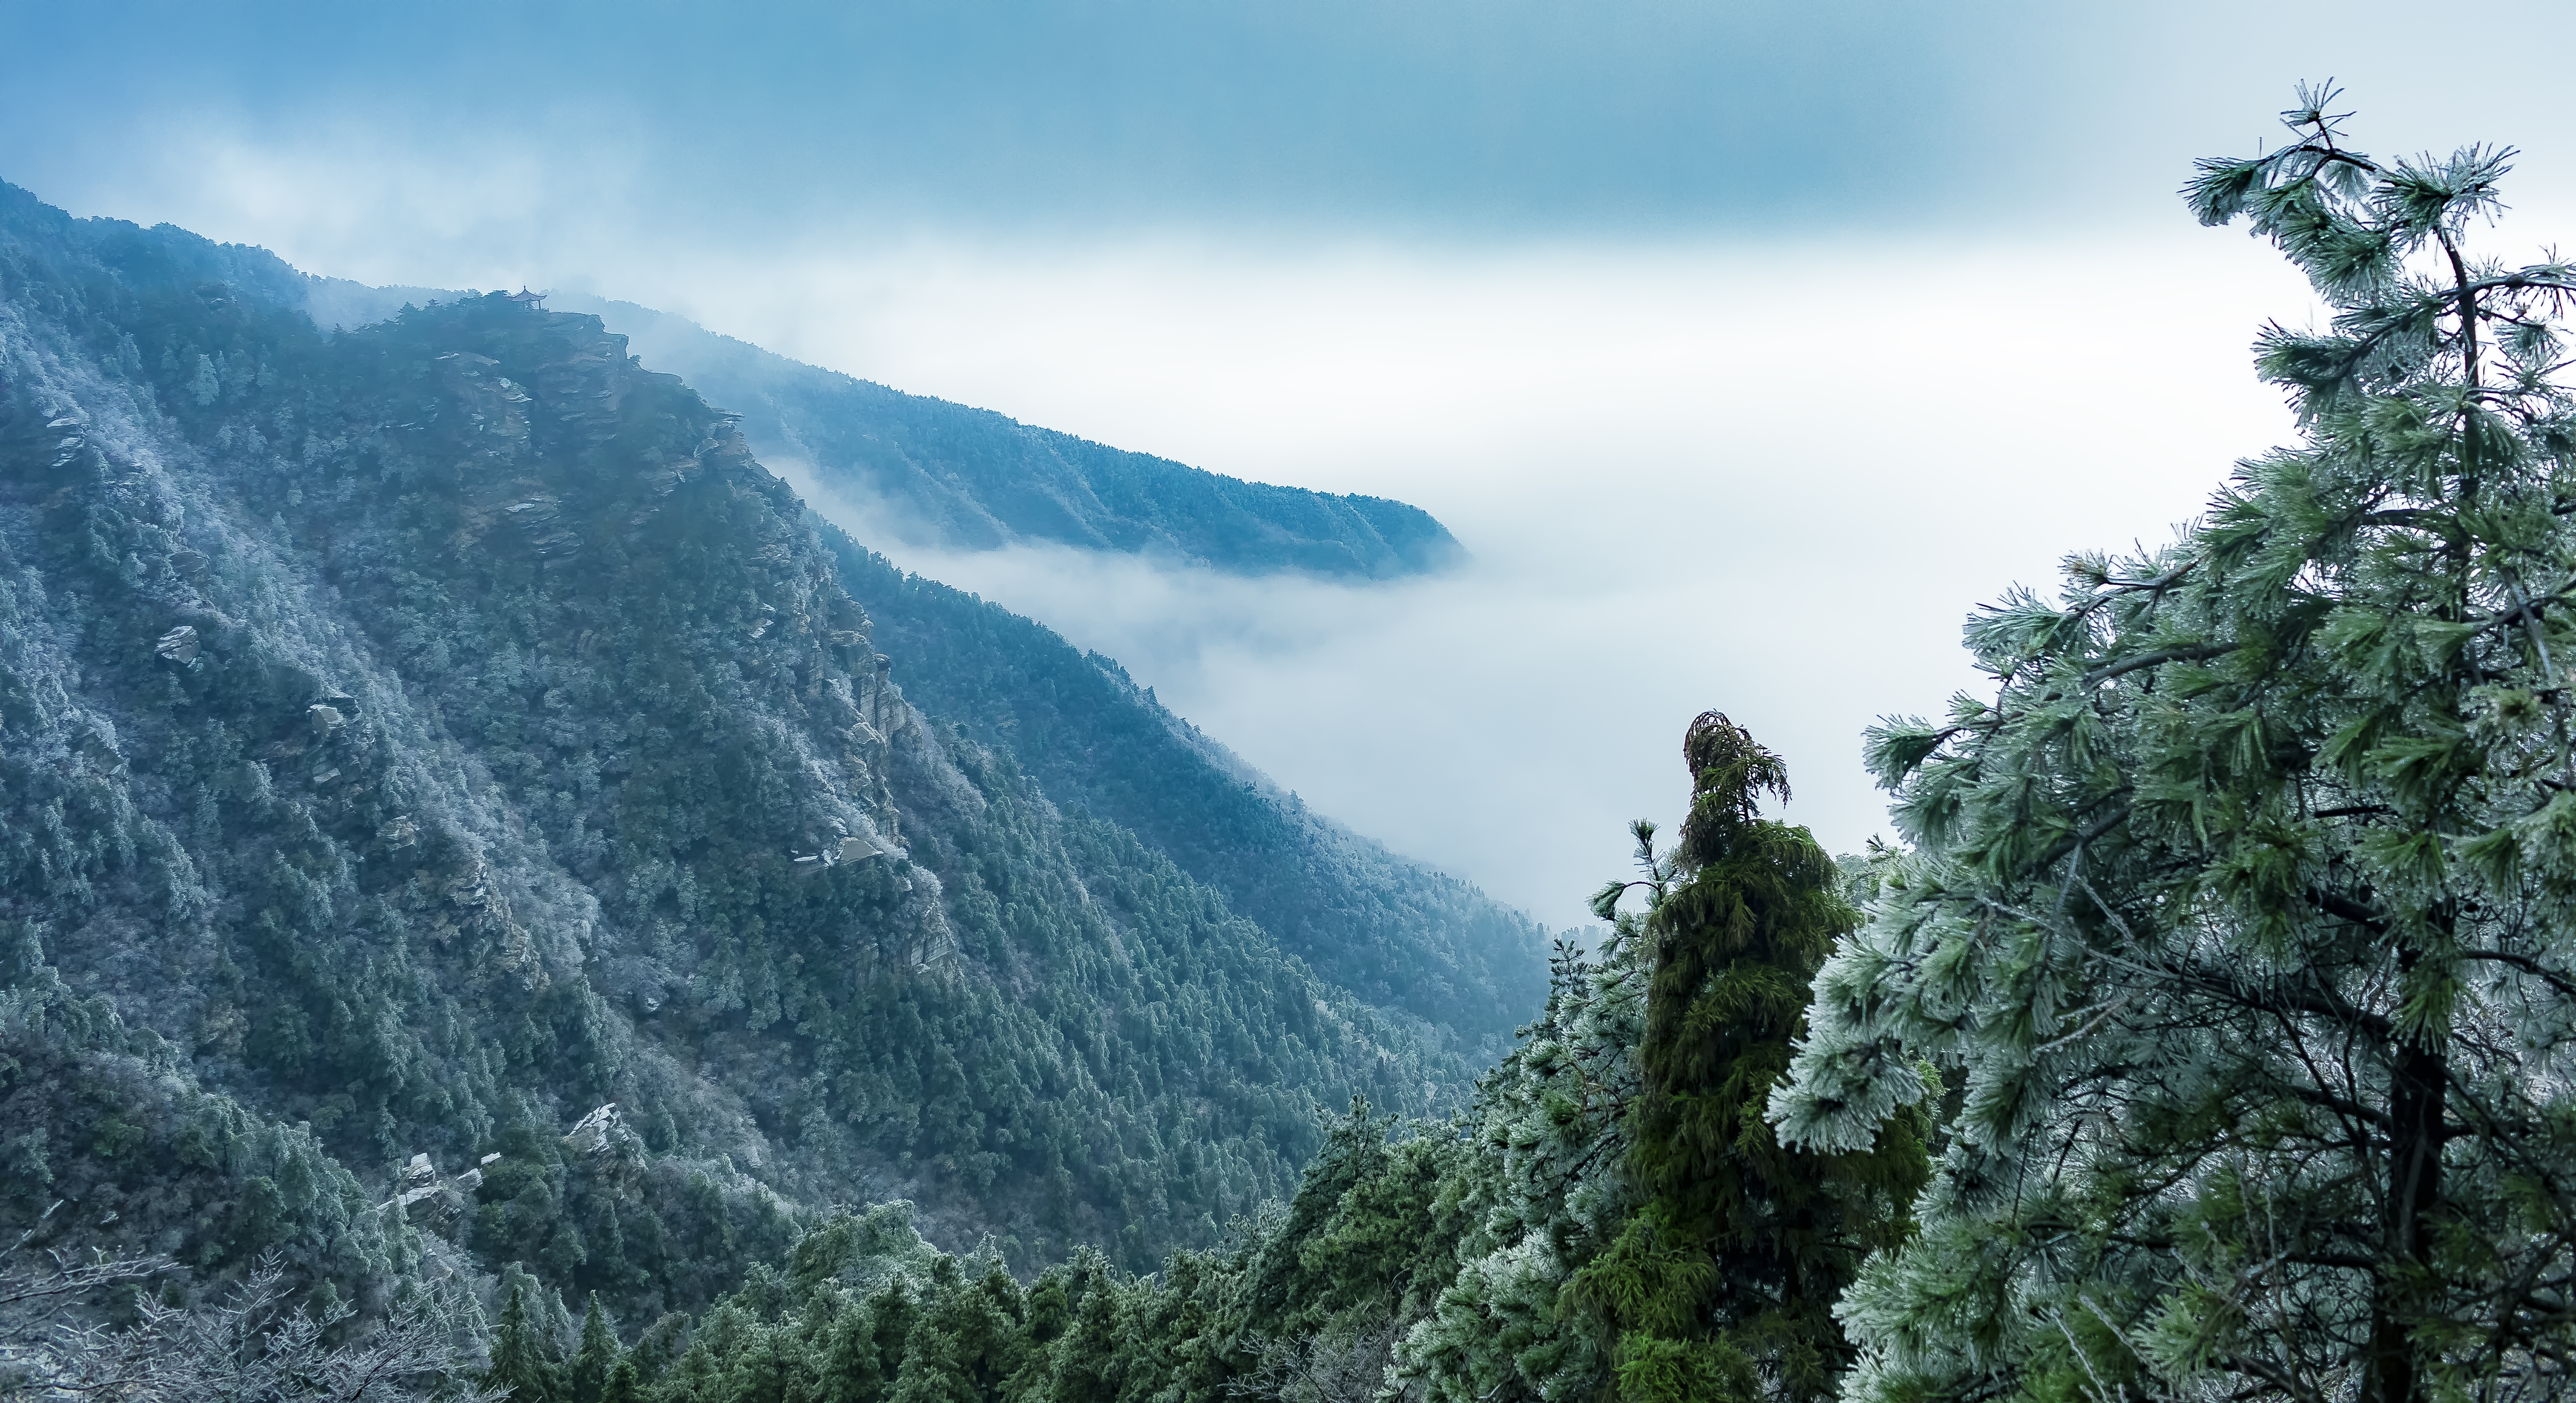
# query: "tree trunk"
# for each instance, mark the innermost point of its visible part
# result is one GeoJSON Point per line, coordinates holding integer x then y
{"type": "Point", "coordinates": [2417, 1085]}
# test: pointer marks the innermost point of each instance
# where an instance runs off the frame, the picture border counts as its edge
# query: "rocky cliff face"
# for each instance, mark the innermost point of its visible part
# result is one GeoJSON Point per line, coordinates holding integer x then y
{"type": "Point", "coordinates": [414, 739]}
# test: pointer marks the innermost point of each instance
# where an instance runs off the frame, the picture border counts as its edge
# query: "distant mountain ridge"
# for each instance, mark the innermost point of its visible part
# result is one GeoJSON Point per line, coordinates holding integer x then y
{"type": "Point", "coordinates": [947, 475]}
{"type": "Point", "coordinates": [932, 473]}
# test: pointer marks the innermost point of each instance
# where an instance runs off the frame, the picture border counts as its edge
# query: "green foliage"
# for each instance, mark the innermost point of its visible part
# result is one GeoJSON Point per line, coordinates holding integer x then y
{"type": "Point", "coordinates": [2242, 906]}
{"type": "Point", "coordinates": [101, 1128]}
{"type": "Point", "coordinates": [1722, 1282]}
{"type": "Point", "coordinates": [1543, 1185]}
{"type": "Point", "coordinates": [586, 1381]}
{"type": "Point", "coordinates": [522, 1358]}
{"type": "Point", "coordinates": [1380, 1267]}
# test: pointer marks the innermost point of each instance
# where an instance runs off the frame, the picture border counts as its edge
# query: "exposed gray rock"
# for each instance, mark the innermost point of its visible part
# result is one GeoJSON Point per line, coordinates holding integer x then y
{"type": "Point", "coordinates": [599, 1131]}
{"type": "Point", "coordinates": [420, 1188]}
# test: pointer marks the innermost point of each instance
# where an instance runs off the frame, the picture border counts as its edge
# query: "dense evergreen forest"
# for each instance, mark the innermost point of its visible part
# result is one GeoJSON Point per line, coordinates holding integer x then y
{"type": "Point", "coordinates": [2207, 1033]}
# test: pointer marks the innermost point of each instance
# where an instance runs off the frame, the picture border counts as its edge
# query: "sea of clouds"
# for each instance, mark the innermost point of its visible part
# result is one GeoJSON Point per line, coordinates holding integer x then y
{"type": "Point", "coordinates": [1767, 480]}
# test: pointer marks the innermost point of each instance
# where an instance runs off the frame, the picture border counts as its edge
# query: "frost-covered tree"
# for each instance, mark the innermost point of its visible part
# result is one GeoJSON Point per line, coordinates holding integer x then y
{"type": "Point", "coordinates": [1548, 1187]}
{"type": "Point", "coordinates": [253, 1344]}
{"type": "Point", "coordinates": [2243, 906]}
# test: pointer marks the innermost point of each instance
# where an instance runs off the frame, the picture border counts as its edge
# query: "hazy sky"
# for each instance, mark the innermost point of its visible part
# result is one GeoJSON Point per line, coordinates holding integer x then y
{"type": "Point", "coordinates": [1746, 346]}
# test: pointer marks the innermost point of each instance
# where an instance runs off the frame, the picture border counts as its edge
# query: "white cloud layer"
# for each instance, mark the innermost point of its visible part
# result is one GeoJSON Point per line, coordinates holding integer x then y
{"type": "Point", "coordinates": [1769, 480]}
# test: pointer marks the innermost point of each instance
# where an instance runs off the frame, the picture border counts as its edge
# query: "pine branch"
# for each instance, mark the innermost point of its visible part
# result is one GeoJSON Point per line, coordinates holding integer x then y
{"type": "Point", "coordinates": [2186, 653]}
{"type": "Point", "coordinates": [2562, 983]}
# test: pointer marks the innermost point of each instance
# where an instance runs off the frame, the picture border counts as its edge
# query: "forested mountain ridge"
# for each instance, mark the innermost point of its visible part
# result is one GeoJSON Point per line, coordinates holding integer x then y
{"type": "Point", "coordinates": [948, 476]}
{"type": "Point", "coordinates": [415, 739]}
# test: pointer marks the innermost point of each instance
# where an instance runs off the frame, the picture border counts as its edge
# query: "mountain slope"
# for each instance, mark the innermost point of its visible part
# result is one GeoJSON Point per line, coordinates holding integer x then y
{"type": "Point", "coordinates": [429, 733]}
{"type": "Point", "coordinates": [1397, 934]}
{"type": "Point", "coordinates": [942, 475]}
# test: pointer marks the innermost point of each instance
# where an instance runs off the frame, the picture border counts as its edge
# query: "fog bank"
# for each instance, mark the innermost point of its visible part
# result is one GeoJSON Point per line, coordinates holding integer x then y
{"type": "Point", "coordinates": [1740, 478]}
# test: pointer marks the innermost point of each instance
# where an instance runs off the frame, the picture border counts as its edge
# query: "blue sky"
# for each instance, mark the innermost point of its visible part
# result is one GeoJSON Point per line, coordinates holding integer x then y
{"type": "Point", "coordinates": [1503, 117]}
{"type": "Point", "coordinates": [1746, 346]}
{"type": "Point", "coordinates": [1500, 119]}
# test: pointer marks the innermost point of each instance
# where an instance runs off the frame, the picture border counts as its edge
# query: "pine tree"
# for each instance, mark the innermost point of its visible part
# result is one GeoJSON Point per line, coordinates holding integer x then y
{"type": "Point", "coordinates": [598, 1356]}
{"type": "Point", "coordinates": [868, 1346]}
{"type": "Point", "coordinates": [934, 1370]}
{"type": "Point", "coordinates": [2244, 905]}
{"type": "Point", "coordinates": [1722, 1282]}
{"type": "Point", "coordinates": [1087, 1362]}
{"type": "Point", "coordinates": [519, 1361]}
{"type": "Point", "coordinates": [854, 1368]}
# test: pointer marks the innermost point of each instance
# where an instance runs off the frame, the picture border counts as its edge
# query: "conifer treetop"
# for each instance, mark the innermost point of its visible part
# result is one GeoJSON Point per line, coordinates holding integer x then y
{"type": "Point", "coordinates": [2243, 908]}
